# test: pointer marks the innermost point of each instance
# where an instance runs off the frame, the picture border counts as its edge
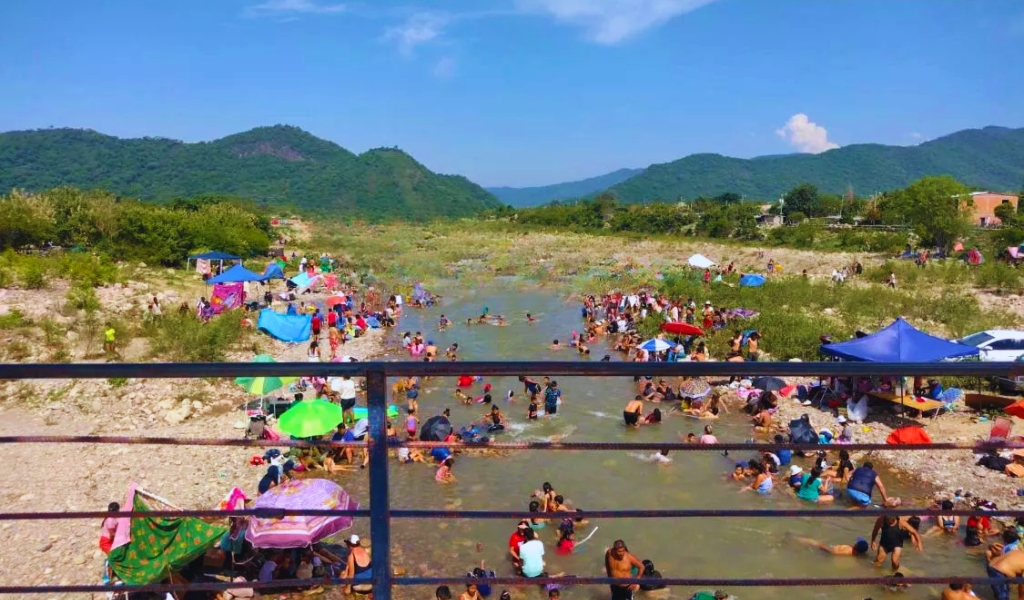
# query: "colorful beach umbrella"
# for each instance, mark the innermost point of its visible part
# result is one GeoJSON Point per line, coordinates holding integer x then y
{"type": "Point", "coordinates": [309, 418]}
{"type": "Point", "coordinates": [261, 386]}
{"type": "Point", "coordinates": [656, 345]}
{"type": "Point", "coordinates": [304, 530]}
{"type": "Point", "coordinates": [681, 329]}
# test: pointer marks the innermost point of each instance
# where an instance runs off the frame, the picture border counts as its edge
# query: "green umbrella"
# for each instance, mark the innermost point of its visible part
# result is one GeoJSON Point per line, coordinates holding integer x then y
{"type": "Point", "coordinates": [261, 386]}
{"type": "Point", "coordinates": [309, 418]}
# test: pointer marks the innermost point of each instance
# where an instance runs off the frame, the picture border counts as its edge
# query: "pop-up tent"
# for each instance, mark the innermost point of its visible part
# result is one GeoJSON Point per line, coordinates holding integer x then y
{"type": "Point", "coordinates": [273, 271]}
{"type": "Point", "coordinates": [235, 274]}
{"type": "Point", "coordinates": [700, 261]}
{"type": "Point", "coordinates": [900, 342]}
{"type": "Point", "coordinates": [287, 328]}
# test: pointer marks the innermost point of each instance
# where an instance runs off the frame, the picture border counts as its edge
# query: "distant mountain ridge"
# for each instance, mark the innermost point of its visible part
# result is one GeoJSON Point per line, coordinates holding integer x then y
{"type": "Point", "coordinates": [534, 196]}
{"type": "Point", "coordinates": [275, 165]}
{"type": "Point", "coordinates": [992, 157]}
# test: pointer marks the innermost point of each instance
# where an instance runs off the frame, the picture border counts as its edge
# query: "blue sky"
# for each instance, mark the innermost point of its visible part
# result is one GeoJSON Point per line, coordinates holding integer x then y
{"type": "Point", "coordinates": [520, 92]}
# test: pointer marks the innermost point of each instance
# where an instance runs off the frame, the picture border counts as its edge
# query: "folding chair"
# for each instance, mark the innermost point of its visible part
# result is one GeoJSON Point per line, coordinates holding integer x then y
{"type": "Point", "coordinates": [1001, 428]}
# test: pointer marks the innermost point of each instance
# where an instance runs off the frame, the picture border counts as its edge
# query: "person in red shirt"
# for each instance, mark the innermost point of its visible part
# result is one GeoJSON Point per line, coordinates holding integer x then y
{"type": "Point", "coordinates": [361, 322]}
{"type": "Point", "coordinates": [332, 318]}
{"type": "Point", "coordinates": [517, 538]}
{"type": "Point", "coordinates": [316, 324]}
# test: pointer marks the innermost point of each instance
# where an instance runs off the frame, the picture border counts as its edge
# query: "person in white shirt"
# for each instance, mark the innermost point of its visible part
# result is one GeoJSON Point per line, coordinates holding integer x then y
{"type": "Point", "coordinates": [531, 552]}
{"type": "Point", "coordinates": [347, 394]}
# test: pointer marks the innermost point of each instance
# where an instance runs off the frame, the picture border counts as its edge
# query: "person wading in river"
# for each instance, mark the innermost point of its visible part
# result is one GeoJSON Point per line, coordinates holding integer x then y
{"type": "Point", "coordinates": [619, 564]}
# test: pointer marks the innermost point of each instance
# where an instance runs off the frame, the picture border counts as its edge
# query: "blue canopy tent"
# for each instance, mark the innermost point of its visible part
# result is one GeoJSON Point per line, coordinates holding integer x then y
{"type": "Point", "coordinates": [752, 280]}
{"type": "Point", "coordinates": [287, 328]}
{"type": "Point", "coordinates": [236, 274]}
{"type": "Point", "coordinates": [212, 256]}
{"type": "Point", "coordinates": [900, 342]}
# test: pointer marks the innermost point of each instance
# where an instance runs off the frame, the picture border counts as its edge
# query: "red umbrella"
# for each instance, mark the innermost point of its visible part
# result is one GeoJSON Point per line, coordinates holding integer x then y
{"type": "Point", "coordinates": [333, 300]}
{"type": "Point", "coordinates": [681, 329]}
{"type": "Point", "coordinates": [1016, 409]}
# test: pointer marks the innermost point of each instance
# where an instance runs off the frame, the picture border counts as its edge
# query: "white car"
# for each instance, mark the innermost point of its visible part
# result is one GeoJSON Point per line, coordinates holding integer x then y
{"type": "Point", "coordinates": [1013, 385]}
{"type": "Point", "coordinates": [1002, 345]}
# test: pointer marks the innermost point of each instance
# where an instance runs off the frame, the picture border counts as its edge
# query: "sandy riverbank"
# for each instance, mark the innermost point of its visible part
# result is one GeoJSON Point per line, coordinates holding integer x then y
{"type": "Point", "coordinates": [70, 477]}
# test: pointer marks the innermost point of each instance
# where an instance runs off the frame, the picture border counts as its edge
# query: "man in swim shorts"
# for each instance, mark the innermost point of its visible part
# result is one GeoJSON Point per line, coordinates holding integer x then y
{"type": "Point", "coordinates": [619, 564]}
{"type": "Point", "coordinates": [1006, 566]}
{"type": "Point", "coordinates": [894, 531]}
{"type": "Point", "coordinates": [631, 414]}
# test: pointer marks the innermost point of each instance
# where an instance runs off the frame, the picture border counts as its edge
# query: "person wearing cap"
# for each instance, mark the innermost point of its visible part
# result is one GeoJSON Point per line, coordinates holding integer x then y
{"type": "Point", "coordinates": [795, 476]}
{"type": "Point", "coordinates": [859, 547]}
{"type": "Point", "coordinates": [846, 434]}
{"type": "Point", "coordinates": [358, 567]}
{"type": "Point", "coordinates": [619, 564]}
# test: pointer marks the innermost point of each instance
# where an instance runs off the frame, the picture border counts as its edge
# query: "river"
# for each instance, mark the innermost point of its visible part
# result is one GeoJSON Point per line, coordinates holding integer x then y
{"type": "Point", "coordinates": [592, 408]}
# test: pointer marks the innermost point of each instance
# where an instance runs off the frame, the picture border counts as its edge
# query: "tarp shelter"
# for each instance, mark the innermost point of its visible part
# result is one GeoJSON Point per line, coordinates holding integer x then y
{"type": "Point", "coordinates": [287, 328]}
{"type": "Point", "coordinates": [752, 280]}
{"type": "Point", "coordinates": [304, 281]}
{"type": "Point", "coordinates": [158, 546]}
{"type": "Point", "coordinates": [900, 342]}
{"type": "Point", "coordinates": [235, 274]}
{"type": "Point", "coordinates": [910, 434]}
{"type": "Point", "coordinates": [273, 271]}
{"type": "Point", "coordinates": [700, 261]}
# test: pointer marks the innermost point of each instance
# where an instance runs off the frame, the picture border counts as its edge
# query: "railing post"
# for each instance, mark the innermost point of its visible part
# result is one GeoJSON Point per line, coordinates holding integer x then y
{"type": "Point", "coordinates": [380, 500]}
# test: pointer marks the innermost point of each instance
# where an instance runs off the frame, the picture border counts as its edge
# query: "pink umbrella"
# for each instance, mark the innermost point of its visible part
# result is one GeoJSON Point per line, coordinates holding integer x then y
{"type": "Point", "coordinates": [300, 531]}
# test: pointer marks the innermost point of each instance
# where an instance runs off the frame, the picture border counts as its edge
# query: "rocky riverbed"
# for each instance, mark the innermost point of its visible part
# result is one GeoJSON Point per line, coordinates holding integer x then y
{"type": "Point", "coordinates": [80, 477]}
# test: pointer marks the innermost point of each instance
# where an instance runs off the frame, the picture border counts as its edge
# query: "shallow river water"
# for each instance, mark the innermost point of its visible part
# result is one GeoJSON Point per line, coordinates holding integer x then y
{"type": "Point", "coordinates": [592, 408]}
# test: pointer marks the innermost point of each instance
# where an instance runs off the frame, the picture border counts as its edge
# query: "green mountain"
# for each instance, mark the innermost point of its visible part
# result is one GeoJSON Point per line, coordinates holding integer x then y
{"type": "Point", "coordinates": [991, 158]}
{"type": "Point", "coordinates": [274, 165]}
{"type": "Point", "coordinates": [534, 196]}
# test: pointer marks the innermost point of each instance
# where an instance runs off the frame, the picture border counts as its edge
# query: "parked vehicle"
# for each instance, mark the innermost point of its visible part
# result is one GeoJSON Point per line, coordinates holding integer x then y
{"type": "Point", "coordinates": [1011, 384]}
{"type": "Point", "coordinates": [1001, 345]}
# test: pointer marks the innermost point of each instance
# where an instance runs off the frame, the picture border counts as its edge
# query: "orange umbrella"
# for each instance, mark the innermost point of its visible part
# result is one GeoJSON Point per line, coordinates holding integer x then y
{"type": "Point", "coordinates": [334, 300]}
{"type": "Point", "coordinates": [1016, 409]}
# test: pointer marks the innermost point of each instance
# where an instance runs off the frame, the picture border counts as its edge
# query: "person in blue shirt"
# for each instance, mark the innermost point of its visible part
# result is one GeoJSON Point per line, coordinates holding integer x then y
{"type": "Point", "coordinates": [343, 434]}
{"type": "Point", "coordinates": [552, 395]}
{"type": "Point", "coordinates": [785, 456]}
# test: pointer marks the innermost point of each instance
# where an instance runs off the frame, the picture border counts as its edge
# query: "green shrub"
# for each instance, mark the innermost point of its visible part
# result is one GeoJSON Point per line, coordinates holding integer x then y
{"type": "Point", "coordinates": [86, 269]}
{"type": "Point", "coordinates": [82, 296]}
{"type": "Point", "coordinates": [32, 273]}
{"type": "Point", "coordinates": [183, 338]}
{"type": "Point", "coordinates": [53, 334]}
{"type": "Point", "coordinates": [13, 319]}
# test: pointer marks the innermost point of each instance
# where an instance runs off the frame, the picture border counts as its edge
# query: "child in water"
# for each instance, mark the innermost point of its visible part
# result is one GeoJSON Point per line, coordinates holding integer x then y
{"type": "Point", "coordinates": [462, 396]}
{"type": "Point", "coordinates": [444, 472]}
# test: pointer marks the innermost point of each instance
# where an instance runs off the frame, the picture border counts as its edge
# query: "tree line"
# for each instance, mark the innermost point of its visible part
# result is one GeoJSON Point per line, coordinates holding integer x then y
{"type": "Point", "coordinates": [128, 229]}
{"type": "Point", "coordinates": [937, 210]}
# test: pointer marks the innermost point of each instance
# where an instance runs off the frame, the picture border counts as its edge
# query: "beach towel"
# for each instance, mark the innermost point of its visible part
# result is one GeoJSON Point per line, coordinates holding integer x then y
{"type": "Point", "coordinates": [160, 546]}
{"type": "Point", "coordinates": [123, 533]}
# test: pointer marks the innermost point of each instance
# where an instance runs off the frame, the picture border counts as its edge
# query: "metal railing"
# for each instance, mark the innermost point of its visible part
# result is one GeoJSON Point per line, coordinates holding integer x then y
{"type": "Point", "coordinates": [380, 512]}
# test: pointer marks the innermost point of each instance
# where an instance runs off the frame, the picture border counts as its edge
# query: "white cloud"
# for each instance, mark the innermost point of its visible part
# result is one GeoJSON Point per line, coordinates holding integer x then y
{"type": "Point", "coordinates": [271, 8]}
{"type": "Point", "coordinates": [612, 21]}
{"type": "Point", "coordinates": [417, 30]}
{"type": "Point", "coordinates": [805, 135]}
{"type": "Point", "coordinates": [445, 68]}
{"type": "Point", "coordinates": [915, 134]}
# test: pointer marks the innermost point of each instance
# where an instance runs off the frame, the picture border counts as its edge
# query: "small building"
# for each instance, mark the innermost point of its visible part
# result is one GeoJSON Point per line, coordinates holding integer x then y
{"type": "Point", "coordinates": [985, 204]}
{"type": "Point", "coordinates": [769, 220]}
